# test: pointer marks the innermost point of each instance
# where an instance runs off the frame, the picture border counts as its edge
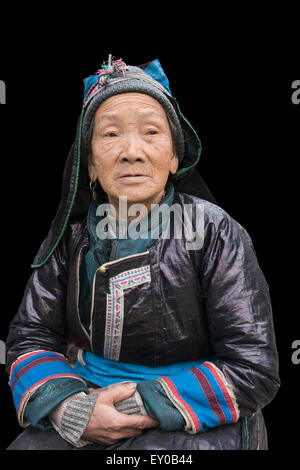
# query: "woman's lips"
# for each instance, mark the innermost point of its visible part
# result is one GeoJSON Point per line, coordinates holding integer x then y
{"type": "Point", "coordinates": [128, 179]}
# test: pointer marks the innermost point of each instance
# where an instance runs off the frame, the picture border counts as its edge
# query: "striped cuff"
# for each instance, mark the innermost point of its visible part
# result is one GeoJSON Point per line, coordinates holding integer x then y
{"type": "Point", "coordinates": [30, 371]}
{"type": "Point", "coordinates": [203, 396]}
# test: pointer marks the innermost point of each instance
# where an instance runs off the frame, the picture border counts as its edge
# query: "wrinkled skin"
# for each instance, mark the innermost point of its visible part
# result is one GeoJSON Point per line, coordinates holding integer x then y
{"type": "Point", "coordinates": [107, 425]}
{"type": "Point", "coordinates": [132, 136]}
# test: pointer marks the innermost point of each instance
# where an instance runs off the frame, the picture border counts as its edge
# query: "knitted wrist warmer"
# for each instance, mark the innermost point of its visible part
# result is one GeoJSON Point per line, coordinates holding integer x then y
{"type": "Point", "coordinates": [132, 405]}
{"type": "Point", "coordinates": [71, 417]}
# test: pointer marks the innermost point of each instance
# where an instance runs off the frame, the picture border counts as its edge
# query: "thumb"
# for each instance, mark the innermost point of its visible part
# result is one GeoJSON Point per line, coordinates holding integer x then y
{"type": "Point", "coordinates": [121, 391]}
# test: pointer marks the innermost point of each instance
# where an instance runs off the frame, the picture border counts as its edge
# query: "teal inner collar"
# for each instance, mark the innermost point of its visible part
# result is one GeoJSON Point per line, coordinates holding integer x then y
{"type": "Point", "coordinates": [147, 227]}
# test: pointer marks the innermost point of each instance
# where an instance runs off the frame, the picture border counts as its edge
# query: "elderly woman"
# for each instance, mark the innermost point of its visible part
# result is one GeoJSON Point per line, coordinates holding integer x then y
{"type": "Point", "coordinates": [173, 335]}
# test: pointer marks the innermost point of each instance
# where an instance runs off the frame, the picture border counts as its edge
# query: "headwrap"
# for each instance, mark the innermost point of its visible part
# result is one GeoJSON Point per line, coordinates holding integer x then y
{"type": "Point", "coordinates": [115, 77]}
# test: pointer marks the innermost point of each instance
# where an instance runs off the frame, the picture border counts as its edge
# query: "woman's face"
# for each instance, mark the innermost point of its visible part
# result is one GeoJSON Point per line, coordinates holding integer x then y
{"type": "Point", "coordinates": [132, 149]}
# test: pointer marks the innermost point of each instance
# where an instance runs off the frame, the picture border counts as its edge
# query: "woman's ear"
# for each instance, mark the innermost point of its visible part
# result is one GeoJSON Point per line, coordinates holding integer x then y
{"type": "Point", "coordinates": [174, 163]}
{"type": "Point", "coordinates": [91, 168]}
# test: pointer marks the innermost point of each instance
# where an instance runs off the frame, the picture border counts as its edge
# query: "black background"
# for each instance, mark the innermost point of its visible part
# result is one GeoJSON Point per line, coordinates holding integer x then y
{"type": "Point", "coordinates": [242, 110]}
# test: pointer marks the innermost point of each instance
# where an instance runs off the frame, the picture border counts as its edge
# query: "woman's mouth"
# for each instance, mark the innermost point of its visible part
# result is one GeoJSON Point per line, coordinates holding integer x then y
{"type": "Point", "coordinates": [138, 178]}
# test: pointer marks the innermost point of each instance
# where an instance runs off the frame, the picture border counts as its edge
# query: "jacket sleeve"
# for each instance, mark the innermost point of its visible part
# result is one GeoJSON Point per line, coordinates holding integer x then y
{"type": "Point", "coordinates": [37, 339]}
{"type": "Point", "coordinates": [242, 375]}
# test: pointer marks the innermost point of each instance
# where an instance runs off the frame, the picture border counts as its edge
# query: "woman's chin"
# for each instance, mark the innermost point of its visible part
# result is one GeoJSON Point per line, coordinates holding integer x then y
{"type": "Point", "coordinates": [138, 195]}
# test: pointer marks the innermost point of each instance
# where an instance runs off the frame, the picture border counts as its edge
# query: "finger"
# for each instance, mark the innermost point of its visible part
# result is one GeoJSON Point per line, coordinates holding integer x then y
{"type": "Point", "coordinates": [120, 392]}
{"type": "Point", "coordinates": [95, 390]}
{"type": "Point", "coordinates": [120, 383]}
{"type": "Point", "coordinates": [137, 421]}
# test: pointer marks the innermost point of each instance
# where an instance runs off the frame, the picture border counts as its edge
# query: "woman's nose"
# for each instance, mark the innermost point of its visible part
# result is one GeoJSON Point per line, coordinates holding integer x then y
{"type": "Point", "coordinates": [132, 148]}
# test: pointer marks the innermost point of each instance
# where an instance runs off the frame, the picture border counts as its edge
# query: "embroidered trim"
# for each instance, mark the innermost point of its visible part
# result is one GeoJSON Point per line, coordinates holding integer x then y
{"type": "Point", "coordinates": [226, 389]}
{"type": "Point", "coordinates": [102, 83]}
{"type": "Point", "coordinates": [25, 356]}
{"type": "Point", "coordinates": [191, 419]}
{"type": "Point", "coordinates": [210, 395]}
{"type": "Point", "coordinates": [115, 308]}
{"type": "Point", "coordinates": [247, 433]}
{"type": "Point", "coordinates": [212, 404]}
{"type": "Point", "coordinates": [30, 365]}
{"type": "Point", "coordinates": [33, 369]}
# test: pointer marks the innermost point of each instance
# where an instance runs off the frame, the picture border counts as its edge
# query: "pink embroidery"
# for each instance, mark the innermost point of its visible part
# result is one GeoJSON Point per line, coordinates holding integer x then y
{"type": "Point", "coordinates": [115, 308]}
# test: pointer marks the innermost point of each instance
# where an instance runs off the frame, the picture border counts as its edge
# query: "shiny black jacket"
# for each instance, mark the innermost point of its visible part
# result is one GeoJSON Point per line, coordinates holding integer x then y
{"type": "Point", "coordinates": [207, 303]}
{"type": "Point", "coordinates": [211, 302]}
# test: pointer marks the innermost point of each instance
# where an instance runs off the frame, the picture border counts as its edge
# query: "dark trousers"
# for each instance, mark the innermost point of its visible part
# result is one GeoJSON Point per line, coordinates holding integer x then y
{"type": "Point", "coordinates": [245, 434]}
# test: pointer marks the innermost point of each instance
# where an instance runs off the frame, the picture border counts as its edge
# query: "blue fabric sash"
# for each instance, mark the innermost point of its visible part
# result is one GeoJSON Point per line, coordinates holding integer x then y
{"type": "Point", "coordinates": [103, 372]}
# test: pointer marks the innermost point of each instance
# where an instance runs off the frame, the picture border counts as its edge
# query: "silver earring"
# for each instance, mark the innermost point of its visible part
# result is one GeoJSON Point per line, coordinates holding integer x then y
{"type": "Point", "coordinates": [93, 185]}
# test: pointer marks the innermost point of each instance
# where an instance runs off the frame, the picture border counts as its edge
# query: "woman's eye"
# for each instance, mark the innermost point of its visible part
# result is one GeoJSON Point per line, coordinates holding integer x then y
{"type": "Point", "coordinates": [152, 132]}
{"type": "Point", "coordinates": [111, 134]}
